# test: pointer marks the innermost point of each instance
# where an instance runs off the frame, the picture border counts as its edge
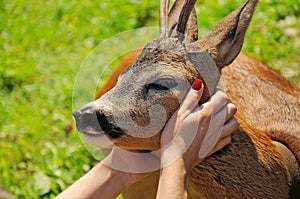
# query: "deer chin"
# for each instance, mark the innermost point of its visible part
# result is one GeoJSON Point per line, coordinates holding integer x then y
{"type": "Point", "coordinates": [128, 142]}
{"type": "Point", "coordinates": [98, 139]}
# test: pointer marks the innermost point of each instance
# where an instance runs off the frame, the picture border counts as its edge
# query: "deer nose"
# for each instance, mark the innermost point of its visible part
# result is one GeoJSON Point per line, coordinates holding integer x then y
{"type": "Point", "coordinates": [86, 121]}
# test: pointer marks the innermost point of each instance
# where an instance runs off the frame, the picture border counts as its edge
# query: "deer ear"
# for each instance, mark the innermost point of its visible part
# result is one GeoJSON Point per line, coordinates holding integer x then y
{"type": "Point", "coordinates": [191, 29]}
{"type": "Point", "coordinates": [225, 40]}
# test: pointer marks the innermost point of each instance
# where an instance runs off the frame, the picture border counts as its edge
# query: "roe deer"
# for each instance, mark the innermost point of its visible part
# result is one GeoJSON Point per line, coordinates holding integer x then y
{"type": "Point", "coordinates": [252, 165]}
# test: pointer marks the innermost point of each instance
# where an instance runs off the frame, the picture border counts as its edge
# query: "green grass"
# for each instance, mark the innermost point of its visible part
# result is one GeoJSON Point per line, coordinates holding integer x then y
{"type": "Point", "coordinates": [43, 43]}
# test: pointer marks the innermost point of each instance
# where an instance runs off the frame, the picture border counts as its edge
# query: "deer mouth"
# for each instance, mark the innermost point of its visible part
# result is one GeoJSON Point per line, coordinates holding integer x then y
{"type": "Point", "coordinates": [111, 131]}
{"type": "Point", "coordinates": [107, 127]}
{"type": "Point", "coordinates": [98, 139]}
{"type": "Point", "coordinates": [92, 133]}
{"type": "Point", "coordinates": [91, 136]}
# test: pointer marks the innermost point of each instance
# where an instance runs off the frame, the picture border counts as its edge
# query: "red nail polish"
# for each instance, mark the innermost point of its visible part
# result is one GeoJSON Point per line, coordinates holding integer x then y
{"type": "Point", "coordinates": [197, 84]}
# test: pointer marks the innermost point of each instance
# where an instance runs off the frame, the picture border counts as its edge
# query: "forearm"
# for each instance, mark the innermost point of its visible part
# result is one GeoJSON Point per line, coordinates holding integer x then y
{"type": "Point", "coordinates": [100, 182]}
{"type": "Point", "coordinates": [173, 181]}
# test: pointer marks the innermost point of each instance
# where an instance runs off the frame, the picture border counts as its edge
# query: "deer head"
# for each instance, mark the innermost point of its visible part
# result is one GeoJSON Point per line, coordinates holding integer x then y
{"type": "Point", "coordinates": [133, 113]}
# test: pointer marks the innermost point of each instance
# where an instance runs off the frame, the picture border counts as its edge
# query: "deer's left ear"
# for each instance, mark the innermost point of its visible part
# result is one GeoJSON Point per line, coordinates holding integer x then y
{"type": "Point", "coordinates": [225, 40]}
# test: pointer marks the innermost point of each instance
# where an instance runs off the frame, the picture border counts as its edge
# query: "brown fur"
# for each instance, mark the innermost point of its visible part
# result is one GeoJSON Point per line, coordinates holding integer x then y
{"type": "Point", "coordinates": [236, 89]}
{"type": "Point", "coordinates": [265, 100]}
{"type": "Point", "coordinates": [252, 80]}
{"type": "Point", "coordinates": [226, 168]}
{"type": "Point", "coordinates": [251, 166]}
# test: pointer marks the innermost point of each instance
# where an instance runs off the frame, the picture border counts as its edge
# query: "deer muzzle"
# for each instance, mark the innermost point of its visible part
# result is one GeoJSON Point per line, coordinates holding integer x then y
{"type": "Point", "coordinates": [95, 122]}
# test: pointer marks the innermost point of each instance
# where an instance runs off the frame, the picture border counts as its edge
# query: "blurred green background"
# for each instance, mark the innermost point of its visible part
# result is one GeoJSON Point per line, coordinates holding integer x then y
{"type": "Point", "coordinates": [43, 43]}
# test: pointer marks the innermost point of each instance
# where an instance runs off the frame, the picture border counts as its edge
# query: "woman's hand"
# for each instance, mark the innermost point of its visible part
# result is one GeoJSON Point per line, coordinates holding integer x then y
{"type": "Point", "coordinates": [195, 132]}
{"type": "Point", "coordinates": [192, 133]}
{"type": "Point", "coordinates": [136, 164]}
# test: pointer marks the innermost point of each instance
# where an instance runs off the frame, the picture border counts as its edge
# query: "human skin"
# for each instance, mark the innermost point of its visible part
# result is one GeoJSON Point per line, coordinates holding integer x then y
{"type": "Point", "coordinates": [104, 181]}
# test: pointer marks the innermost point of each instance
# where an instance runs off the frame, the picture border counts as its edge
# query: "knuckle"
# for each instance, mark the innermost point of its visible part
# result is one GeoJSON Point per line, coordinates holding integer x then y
{"type": "Point", "coordinates": [208, 107]}
{"type": "Point", "coordinates": [206, 117]}
{"type": "Point", "coordinates": [223, 96]}
{"type": "Point", "coordinates": [233, 107]}
{"type": "Point", "coordinates": [179, 113]}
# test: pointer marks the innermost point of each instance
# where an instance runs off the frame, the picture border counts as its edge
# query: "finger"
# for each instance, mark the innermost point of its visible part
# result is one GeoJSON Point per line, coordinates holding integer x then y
{"type": "Point", "coordinates": [226, 113]}
{"type": "Point", "coordinates": [221, 144]}
{"type": "Point", "coordinates": [213, 134]}
{"type": "Point", "coordinates": [218, 120]}
{"type": "Point", "coordinates": [216, 134]}
{"type": "Point", "coordinates": [230, 111]}
{"type": "Point", "coordinates": [187, 106]}
{"type": "Point", "coordinates": [229, 128]}
{"type": "Point", "coordinates": [218, 100]}
{"type": "Point", "coordinates": [191, 99]}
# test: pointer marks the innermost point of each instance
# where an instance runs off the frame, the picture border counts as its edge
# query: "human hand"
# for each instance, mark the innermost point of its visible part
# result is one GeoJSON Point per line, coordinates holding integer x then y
{"type": "Point", "coordinates": [195, 132]}
{"type": "Point", "coordinates": [136, 164]}
{"type": "Point", "coordinates": [192, 133]}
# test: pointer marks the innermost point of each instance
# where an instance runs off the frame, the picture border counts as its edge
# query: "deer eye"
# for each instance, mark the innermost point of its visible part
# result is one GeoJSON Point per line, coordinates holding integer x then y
{"type": "Point", "coordinates": [159, 86]}
{"type": "Point", "coordinates": [163, 84]}
{"type": "Point", "coordinates": [156, 86]}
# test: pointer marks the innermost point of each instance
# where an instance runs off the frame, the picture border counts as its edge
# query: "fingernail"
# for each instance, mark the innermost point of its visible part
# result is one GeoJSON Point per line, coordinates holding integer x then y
{"type": "Point", "coordinates": [197, 84]}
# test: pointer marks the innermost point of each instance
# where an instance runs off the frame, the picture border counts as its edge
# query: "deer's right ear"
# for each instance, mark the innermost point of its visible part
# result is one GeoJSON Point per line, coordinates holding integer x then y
{"type": "Point", "coordinates": [225, 40]}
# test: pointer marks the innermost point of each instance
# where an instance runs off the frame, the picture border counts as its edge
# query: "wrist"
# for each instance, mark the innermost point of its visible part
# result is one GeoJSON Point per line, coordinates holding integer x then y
{"type": "Point", "coordinates": [177, 168]}
{"type": "Point", "coordinates": [180, 166]}
{"type": "Point", "coordinates": [122, 179]}
{"type": "Point", "coordinates": [126, 177]}
{"type": "Point", "coordinates": [134, 177]}
{"type": "Point", "coordinates": [173, 180]}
